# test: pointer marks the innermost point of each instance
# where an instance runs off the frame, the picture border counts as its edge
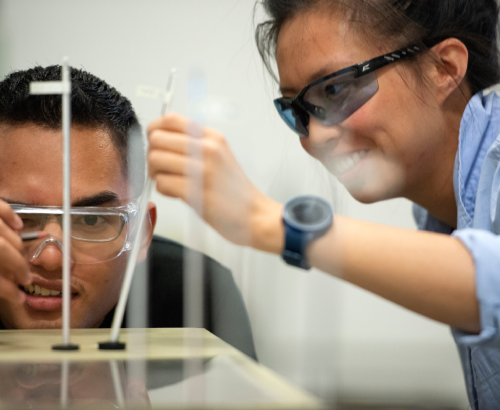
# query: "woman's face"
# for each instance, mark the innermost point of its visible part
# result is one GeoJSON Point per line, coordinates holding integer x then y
{"type": "Point", "coordinates": [389, 147]}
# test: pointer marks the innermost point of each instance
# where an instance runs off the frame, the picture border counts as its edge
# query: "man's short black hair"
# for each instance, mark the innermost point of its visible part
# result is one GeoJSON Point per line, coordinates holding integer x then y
{"type": "Point", "coordinates": [94, 104]}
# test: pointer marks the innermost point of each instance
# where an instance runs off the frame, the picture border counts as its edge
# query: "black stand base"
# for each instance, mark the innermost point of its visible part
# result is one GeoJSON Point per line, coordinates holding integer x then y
{"type": "Point", "coordinates": [70, 346]}
{"type": "Point", "coordinates": [112, 345]}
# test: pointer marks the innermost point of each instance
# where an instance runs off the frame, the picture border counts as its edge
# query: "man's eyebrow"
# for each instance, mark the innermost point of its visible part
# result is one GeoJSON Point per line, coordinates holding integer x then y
{"type": "Point", "coordinates": [101, 198]}
{"type": "Point", "coordinates": [11, 201]}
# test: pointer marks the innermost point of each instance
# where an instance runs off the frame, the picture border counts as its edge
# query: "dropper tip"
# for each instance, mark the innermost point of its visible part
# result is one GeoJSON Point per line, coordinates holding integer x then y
{"type": "Point", "coordinates": [30, 236]}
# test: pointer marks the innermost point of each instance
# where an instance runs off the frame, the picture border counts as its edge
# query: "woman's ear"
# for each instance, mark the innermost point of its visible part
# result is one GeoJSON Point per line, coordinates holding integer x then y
{"type": "Point", "coordinates": [147, 235]}
{"type": "Point", "coordinates": [450, 67]}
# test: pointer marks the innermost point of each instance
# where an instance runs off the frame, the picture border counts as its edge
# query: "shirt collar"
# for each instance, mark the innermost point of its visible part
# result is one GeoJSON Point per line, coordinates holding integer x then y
{"type": "Point", "coordinates": [478, 130]}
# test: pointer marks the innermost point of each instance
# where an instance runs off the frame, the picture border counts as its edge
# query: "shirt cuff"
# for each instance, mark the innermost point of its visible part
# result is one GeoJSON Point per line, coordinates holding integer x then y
{"type": "Point", "coordinates": [484, 247]}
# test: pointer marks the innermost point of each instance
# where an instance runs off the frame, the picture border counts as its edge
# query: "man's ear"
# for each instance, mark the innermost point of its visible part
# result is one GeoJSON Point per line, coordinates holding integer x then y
{"type": "Point", "coordinates": [147, 236]}
{"type": "Point", "coordinates": [450, 67]}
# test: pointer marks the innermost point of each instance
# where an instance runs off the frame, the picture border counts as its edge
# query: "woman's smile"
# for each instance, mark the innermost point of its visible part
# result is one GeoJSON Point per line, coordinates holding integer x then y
{"type": "Point", "coordinates": [343, 164]}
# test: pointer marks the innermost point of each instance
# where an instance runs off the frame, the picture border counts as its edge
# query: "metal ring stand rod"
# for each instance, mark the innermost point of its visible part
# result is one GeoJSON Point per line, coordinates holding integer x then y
{"type": "Point", "coordinates": [66, 204]}
{"type": "Point", "coordinates": [63, 87]}
{"type": "Point", "coordinates": [117, 384]}
{"type": "Point", "coordinates": [64, 395]}
{"type": "Point", "coordinates": [66, 126]}
{"type": "Point", "coordinates": [195, 388]}
{"type": "Point", "coordinates": [114, 343]}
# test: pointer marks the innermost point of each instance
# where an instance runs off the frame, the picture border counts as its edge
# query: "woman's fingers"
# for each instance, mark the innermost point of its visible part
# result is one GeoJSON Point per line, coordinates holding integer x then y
{"type": "Point", "coordinates": [171, 122]}
{"type": "Point", "coordinates": [161, 161]}
{"type": "Point", "coordinates": [167, 140]}
{"type": "Point", "coordinates": [171, 185]}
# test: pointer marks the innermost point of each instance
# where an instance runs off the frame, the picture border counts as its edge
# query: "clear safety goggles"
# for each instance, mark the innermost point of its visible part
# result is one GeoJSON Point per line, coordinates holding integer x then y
{"type": "Point", "coordinates": [98, 234]}
{"type": "Point", "coordinates": [335, 97]}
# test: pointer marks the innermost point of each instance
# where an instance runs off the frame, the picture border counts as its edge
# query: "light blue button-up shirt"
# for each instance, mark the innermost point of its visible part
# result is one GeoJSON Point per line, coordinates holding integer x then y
{"type": "Point", "coordinates": [476, 183]}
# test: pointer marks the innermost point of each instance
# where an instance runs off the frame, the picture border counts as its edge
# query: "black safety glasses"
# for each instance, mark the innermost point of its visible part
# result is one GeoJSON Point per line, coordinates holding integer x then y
{"type": "Point", "coordinates": [335, 97]}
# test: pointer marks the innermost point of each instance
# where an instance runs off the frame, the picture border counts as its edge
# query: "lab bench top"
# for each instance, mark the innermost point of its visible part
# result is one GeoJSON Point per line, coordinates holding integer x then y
{"type": "Point", "coordinates": [170, 368]}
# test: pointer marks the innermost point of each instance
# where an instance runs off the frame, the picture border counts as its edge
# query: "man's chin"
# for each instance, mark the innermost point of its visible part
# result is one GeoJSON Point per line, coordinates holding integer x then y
{"type": "Point", "coordinates": [31, 319]}
{"type": "Point", "coordinates": [43, 324]}
{"type": "Point", "coordinates": [39, 322]}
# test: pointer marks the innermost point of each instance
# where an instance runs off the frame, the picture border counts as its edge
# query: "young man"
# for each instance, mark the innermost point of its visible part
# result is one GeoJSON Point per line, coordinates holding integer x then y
{"type": "Point", "coordinates": [105, 184]}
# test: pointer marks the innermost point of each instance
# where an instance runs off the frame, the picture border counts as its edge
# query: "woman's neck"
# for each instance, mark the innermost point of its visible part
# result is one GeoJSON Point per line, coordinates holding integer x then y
{"type": "Point", "coordinates": [441, 204]}
{"type": "Point", "coordinates": [436, 192]}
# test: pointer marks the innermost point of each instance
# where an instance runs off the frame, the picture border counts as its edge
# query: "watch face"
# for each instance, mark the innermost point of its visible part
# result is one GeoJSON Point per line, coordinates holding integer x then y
{"type": "Point", "coordinates": [308, 213]}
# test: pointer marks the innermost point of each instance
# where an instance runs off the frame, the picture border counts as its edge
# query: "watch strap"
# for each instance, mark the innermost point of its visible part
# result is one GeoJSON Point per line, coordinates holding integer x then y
{"type": "Point", "coordinates": [294, 251]}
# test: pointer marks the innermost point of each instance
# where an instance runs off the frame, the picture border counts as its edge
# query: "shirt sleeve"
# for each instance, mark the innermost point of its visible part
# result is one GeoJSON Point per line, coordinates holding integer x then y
{"type": "Point", "coordinates": [484, 247]}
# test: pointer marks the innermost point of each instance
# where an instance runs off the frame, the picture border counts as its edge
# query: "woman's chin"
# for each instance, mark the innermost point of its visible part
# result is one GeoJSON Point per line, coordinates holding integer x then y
{"type": "Point", "coordinates": [366, 197]}
{"type": "Point", "coordinates": [368, 191]}
{"type": "Point", "coordinates": [373, 179]}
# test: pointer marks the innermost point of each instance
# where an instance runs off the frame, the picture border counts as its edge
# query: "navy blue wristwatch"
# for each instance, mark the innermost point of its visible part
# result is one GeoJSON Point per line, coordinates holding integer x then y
{"type": "Point", "coordinates": [305, 218]}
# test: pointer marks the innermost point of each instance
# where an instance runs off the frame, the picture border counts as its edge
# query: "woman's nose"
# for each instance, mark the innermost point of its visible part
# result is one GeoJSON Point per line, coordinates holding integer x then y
{"type": "Point", "coordinates": [321, 135]}
{"type": "Point", "coordinates": [322, 139]}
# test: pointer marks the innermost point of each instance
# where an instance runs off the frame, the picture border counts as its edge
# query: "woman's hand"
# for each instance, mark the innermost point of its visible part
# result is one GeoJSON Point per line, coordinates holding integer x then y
{"type": "Point", "coordinates": [14, 269]}
{"type": "Point", "coordinates": [195, 164]}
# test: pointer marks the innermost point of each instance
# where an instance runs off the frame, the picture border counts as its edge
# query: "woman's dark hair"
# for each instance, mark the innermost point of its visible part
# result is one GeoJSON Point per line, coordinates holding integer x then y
{"type": "Point", "coordinates": [404, 22]}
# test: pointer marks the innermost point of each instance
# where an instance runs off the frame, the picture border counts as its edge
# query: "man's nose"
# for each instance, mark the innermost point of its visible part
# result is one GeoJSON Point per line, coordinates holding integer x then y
{"type": "Point", "coordinates": [48, 255]}
{"type": "Point", "coordinates": [49, 252]}
{"type": "Point", "coordinates": [53, 228]}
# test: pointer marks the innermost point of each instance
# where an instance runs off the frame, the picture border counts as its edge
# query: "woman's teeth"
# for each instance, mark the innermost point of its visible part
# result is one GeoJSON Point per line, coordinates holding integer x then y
{"type": "Point", "coordinates": [344, 163]}
{"type": "Point", "coordinates": [36, 290]}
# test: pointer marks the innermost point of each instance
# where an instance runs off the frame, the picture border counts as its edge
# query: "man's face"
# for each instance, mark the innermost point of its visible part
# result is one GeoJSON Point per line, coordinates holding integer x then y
{"type": "Point", "coordinates": [31, 173]}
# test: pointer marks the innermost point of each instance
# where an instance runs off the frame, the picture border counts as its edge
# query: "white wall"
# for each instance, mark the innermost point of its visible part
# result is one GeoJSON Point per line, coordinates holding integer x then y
{"type": "Point", "coordinates": [331, 338]}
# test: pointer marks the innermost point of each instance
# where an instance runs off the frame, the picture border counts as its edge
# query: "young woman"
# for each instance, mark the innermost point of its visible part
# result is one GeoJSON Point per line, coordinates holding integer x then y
{"type": "Point", "coordinates": [388, 95]}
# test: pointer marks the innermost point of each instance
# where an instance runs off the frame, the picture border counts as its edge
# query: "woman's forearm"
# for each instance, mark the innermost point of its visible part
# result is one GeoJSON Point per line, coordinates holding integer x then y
{"type": "Point", "coordinates": [428, 273]}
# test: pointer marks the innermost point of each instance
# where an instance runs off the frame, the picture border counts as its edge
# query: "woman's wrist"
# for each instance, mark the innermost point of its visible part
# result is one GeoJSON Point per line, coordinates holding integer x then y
{"type": "Point", "coordinates": [267, 226]}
